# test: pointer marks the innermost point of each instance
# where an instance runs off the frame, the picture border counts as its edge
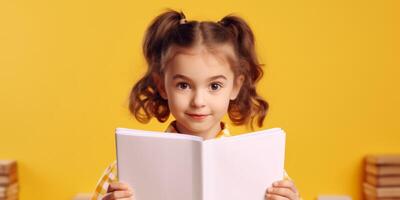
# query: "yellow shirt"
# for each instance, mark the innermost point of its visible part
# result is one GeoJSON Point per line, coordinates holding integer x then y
{"type": "Point", "coordinates": [110, 174]}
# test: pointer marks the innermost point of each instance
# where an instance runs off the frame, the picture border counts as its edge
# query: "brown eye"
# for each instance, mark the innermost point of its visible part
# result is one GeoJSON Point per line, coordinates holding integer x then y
{"type": "Point", "coordinates": [182, 85]}
{"type": "Point", "coordinates": [215, 86]}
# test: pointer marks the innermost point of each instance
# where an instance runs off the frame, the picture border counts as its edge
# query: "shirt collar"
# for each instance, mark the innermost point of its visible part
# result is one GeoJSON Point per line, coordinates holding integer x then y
{"type": "Point", "coordinates": [223, 133]}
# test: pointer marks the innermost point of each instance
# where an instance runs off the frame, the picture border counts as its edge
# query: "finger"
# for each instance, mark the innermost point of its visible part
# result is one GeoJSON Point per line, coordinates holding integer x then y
{"type": "Point", "coordinates": [118, 195]}
{"type": "Point", "coordinates": [275, 197]}
{"type": "Point", "coordinates": [282, 191]}
{"type": "Point", "coordinates": [120, 199]}
{"type": "Point", "coordinates": [108, 196]}
{"type": "Point", "coordinates": [286, 184]}
{"type": "Point", "coordinates": [114, 186]}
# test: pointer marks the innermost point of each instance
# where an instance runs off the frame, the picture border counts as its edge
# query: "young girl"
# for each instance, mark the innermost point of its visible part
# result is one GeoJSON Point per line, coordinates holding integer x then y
{"type": "Point", "coordinates": [198, 72]}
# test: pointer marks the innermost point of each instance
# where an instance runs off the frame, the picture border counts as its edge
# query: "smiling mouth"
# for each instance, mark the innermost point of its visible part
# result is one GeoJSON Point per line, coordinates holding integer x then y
{"type": "Point", "coordinates": [197, 116]}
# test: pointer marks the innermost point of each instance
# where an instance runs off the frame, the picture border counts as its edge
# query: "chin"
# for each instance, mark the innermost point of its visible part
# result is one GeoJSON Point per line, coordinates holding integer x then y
{"type": "Point", "coordinates": [195, 127]}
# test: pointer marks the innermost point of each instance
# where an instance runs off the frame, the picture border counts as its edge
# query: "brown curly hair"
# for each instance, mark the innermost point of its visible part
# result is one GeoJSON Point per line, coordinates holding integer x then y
{"type": "Point", "coordinates": [171, 29]}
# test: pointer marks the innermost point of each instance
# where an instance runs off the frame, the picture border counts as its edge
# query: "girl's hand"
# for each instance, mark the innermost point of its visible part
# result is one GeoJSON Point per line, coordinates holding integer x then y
{"type": "Point", "coordinates": [119, 190]}
{"type": "Point", "coordinates": [282, 190]}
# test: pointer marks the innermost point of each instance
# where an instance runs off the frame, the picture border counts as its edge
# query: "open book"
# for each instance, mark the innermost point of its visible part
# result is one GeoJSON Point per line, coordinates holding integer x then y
{"type": "Point", "coordinates": [174, 166]}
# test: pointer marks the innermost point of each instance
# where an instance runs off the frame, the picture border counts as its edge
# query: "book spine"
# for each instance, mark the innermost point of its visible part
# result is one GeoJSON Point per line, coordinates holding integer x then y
{"type": "Point", "coordinates": [8, 191]}
{"type": "Point", "coordinates": [383, 180]}
{"type": "Point", "coordinates": [381, 191]}
{"type": "Point", "coordinates": [382, 170]}
{"type": "Point", "coordinates": [7, 166]}
{"type": "Point", "coordinates": [8, 179]}
{"type": "Point", "coordinates": [383, 159]}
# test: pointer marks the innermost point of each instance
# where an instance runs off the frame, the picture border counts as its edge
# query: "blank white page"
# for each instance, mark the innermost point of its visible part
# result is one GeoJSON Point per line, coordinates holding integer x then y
{"type": "Point", "coordinates": [158, 167]}
{"type": "Point", "coordinates": [242, 167]}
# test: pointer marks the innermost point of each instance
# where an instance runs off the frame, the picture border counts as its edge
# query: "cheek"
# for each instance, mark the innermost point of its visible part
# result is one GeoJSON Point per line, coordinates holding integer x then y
{"type": "Point", "coordinates": [177, 102]}
{"type": "Point", "coordinates": [220, 103]}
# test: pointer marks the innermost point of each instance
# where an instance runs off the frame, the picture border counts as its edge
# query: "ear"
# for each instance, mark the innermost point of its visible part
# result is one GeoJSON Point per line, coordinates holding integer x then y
{"type": "Point", "coordinates": [159, 81]}
{"type": "Point", "coordinates": [237, 84]}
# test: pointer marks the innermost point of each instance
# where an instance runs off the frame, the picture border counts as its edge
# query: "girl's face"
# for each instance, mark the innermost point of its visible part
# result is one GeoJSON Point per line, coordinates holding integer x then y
{"type": "Point", "coordinates": [199, 86]}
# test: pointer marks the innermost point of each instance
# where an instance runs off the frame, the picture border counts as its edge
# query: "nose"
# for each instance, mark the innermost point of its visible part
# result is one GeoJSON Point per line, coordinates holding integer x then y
{"type": "Point", "coordinates": [198, 99]}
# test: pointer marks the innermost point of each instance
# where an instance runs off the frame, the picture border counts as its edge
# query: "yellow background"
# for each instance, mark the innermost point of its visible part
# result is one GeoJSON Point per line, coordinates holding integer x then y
{"type": "Point", "coordinates": [66, 69]}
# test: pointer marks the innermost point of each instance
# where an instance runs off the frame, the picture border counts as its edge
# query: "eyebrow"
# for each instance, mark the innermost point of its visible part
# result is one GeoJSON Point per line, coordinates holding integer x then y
{"type": "Point", "coordinates": [177, 76]}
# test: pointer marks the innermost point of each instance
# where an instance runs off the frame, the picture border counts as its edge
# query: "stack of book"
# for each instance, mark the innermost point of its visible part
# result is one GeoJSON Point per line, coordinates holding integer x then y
{"type": "Point", "coordinates": [382, 177]}
{"type": "Point", "coordinates": [8, 180]}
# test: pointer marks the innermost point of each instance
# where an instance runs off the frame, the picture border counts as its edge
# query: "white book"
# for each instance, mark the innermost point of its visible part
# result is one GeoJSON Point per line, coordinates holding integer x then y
{"type": "Point", "coordinates": [174, 166]}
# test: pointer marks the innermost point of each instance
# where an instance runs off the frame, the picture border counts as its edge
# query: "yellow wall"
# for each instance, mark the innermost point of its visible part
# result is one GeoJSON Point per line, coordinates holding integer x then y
{"type": "Point", "coordinates": [66, 69]}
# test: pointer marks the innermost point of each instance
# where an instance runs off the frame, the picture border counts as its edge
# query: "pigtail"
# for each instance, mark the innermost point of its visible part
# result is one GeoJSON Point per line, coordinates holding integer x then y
{"type": "Point", "coordinates": [248, 105]}
{"type": "Point", "coordinates": [145, 99]}
{"type": "Point", "coordinates": [158, 34]}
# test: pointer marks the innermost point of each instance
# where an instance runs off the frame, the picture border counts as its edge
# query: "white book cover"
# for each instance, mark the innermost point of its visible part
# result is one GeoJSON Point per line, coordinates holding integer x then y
{"type": "Point", "coordinates": [174, 166]}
